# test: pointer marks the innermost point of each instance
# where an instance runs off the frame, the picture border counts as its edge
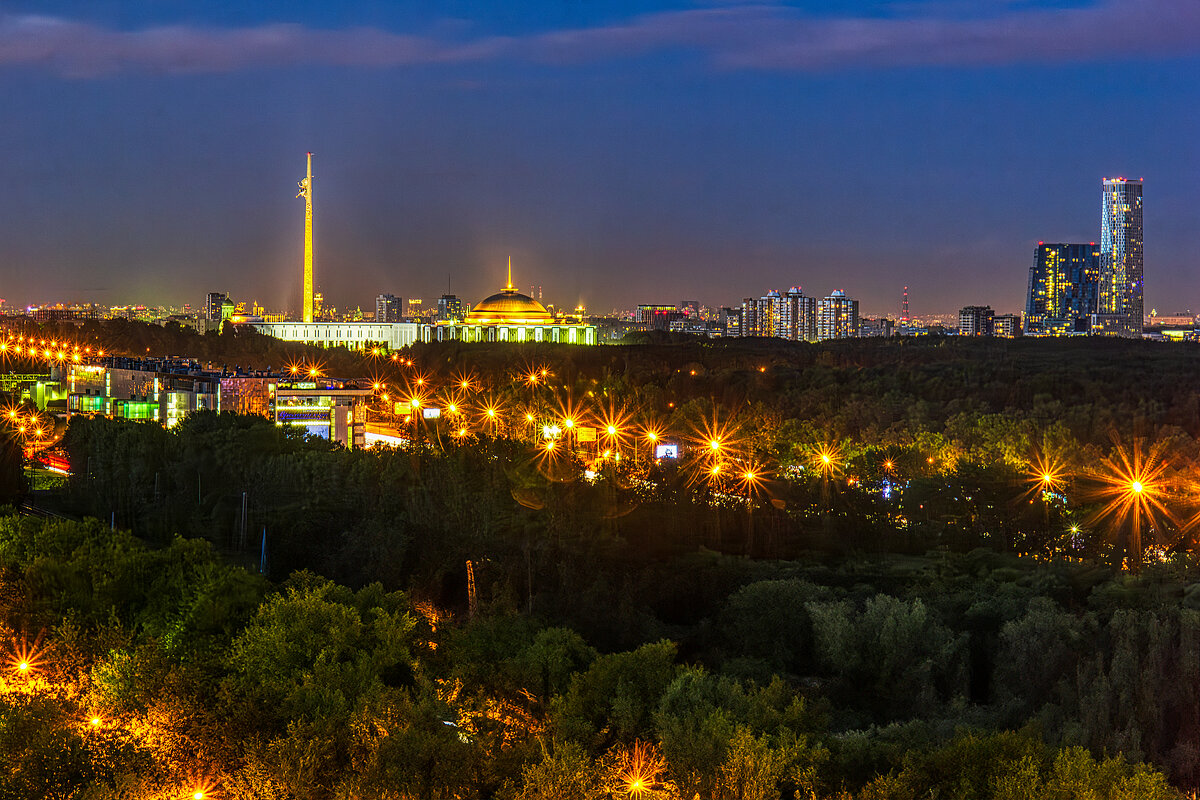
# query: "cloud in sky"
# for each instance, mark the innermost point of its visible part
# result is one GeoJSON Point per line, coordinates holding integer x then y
{"type": "Point", "coordinates": [739, 36]}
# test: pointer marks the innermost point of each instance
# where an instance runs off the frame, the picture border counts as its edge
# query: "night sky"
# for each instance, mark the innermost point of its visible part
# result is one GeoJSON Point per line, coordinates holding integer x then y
{"type": "Point", "coordinates": [620, 152]}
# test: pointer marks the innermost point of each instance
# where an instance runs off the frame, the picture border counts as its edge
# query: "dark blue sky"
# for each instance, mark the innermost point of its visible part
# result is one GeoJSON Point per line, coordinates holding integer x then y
{"type": "Point", "coordinates": [621, 152]}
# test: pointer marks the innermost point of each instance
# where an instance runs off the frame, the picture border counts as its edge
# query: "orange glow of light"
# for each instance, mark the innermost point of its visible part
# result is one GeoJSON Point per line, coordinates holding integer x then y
{"type": "Point", "coordinates": [1134, 488]}
{"type": "Point", "coordinates": [639, 772]}
{"type": "Point", "coordinates": [826, 459]}
{"type": "Point", "coordinates": [26, 657]}
{"type": "Point", "coordinates": [1046, 474]}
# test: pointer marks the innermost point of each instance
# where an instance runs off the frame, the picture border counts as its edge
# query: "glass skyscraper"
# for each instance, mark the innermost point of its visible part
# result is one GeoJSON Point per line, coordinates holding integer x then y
{"type": "Point", "coordinates": [1063, 283]}
{"type": "Point", "coordinates": [1119, 299]}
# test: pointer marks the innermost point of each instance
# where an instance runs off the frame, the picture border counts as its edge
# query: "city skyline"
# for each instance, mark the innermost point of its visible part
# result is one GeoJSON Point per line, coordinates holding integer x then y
{"type": "Point", "coordinates": [621, 154]}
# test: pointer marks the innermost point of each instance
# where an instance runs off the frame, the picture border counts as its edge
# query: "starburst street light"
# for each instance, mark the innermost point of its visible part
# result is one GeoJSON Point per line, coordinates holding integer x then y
{"type": "Point", "coordinates": [1134, 488]}
{"type": "Point", "coordinates": [826, 459]}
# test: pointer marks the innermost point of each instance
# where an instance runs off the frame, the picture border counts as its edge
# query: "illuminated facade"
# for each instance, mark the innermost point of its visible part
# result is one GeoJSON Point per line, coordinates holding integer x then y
{"type": "Point", "coordinates": [785, 316]}
{"type": "Point", "coordinates": [389, 308]}
{"type": "Point", "coordinates": [324, 408]}
{"type": "Point", "coordinates": [1119, 296]}
{"type": "Point", "coordinates": [167, 390]}
{"type": "Point", "coordinates": [975, 321]}
{"type": "Point", "coordinates": [354, 335]}
{"type": "Point", "coordinates": [509, 316]}
{"type": "Point", "coordinates": [657, 317]}
{"type": "Point", "coordinates": [837, 317]}
{"type": "Point", "coordinates": [158, 390]}
{"type": "Point", "coordinates": [1063, 281]}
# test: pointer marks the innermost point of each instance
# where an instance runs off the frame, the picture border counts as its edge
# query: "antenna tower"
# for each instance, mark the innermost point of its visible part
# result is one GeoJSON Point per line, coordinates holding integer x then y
{"type": "Point", "coordinates": [904, 307]}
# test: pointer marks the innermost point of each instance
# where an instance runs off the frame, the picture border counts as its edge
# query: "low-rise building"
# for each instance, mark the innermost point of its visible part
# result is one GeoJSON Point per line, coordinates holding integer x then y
{"type": "Point", "coordinates": [167, 390]}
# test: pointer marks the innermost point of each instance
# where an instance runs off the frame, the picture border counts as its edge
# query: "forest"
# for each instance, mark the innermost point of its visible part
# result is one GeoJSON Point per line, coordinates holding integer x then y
{"type": "Point", "coordinates": [937, 584]}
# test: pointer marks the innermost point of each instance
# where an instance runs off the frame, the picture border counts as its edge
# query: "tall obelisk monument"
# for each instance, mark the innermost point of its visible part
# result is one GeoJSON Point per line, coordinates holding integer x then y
{"type": "Point", "coordinates": [306, 193]}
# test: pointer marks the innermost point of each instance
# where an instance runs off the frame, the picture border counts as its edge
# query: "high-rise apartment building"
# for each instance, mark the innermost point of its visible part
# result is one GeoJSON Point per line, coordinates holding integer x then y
{"type": "Point", "coordinates": [389, 308]}
{"type": "Point", "coordinates": [212, 306]}
{"type": "Point", "coordinates": [789, 315]}
{"type": "Point", "coordinates": [837, 316]}
{"type": "Point", "coordinates": [1119, 295]}
{"type": "Point", "coordinates": [760, 317]}
{"type": "Point", "coordinates": [1063, 281]}
{"type": "Point", "coordinates": [797, 316]}
{"type": "Point", "coordinates": [975, 321]}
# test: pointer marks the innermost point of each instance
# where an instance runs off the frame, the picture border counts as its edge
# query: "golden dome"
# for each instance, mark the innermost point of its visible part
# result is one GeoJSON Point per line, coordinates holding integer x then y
{"type": "Point", "coordinates": [508, 306]}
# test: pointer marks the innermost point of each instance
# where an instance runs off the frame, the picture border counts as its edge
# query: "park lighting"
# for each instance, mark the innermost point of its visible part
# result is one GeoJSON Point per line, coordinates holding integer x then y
{"type": "Point", "coordinates": [612, 430]}
{"type": "Point", "coordinates": [1135, 490]}
{"type": "Point", "coordinates": [569, 423]}
{"type": "Point", "coordinates": [528, 417]}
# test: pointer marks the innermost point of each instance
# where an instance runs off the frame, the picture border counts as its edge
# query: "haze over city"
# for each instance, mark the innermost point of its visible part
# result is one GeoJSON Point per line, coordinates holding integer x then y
{"type": "Point", "coordinates": [618, 152]}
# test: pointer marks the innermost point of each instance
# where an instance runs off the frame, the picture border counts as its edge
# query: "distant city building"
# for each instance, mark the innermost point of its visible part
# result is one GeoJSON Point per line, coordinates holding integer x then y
{"type": "Point", "coordinates": [798, 316]}
{"type": "Point", "coordinates": [975, 321]}
{"type": "Point", "coordinates": [1007, 326]}
{"type": "Point", "coordinates": [1119, 309]}
{"type": "Point", "coordinates": [837, 317]}
{"type": "Point", "coordinates": [1181, 320]}
{"type": "Point", "coordinates": [657, 317]}
{"type": "Point", "coordinates": [450, 308]}
{"type": "Point", "coordinates": [62, 313]}
{"type": "Point", "coordinates": [731, 320]}
{"type": "Point", "coordinates": [1062, 295]}
{"type": "Point", "coordinates": [877, 327]}
{"type": "Point", "coordinates": [790, 316]}
{"type": "Point", "coordinates": [389, 308]}
{"type": "Point", "coordinates": [690, 308]}
{"type": "Point", "coordinates": [698, 327]}
{"type": "Point", "coordinates": [213, 305]}
{"type": "Point", "coordinates": [760, 317]}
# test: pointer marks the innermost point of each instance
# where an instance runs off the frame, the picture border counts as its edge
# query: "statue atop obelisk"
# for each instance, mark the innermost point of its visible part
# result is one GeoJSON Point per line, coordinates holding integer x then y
{"type": "Point", "coordinates": [306, 193]}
